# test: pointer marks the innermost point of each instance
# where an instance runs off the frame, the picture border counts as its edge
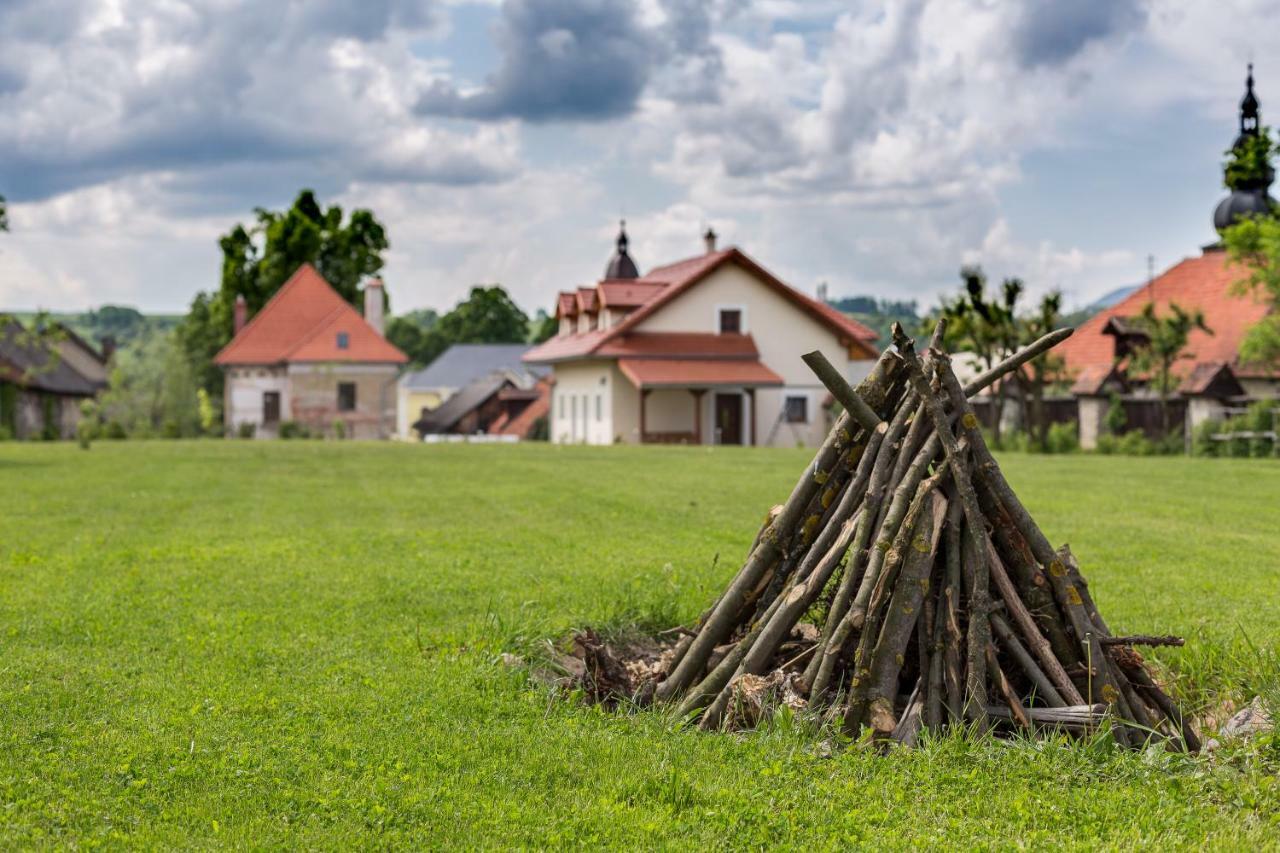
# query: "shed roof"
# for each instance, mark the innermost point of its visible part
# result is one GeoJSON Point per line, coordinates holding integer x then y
{"type": "Point", "coordinates": [460, 364]}
{"type": "Point", "coordinates": [25, 360]}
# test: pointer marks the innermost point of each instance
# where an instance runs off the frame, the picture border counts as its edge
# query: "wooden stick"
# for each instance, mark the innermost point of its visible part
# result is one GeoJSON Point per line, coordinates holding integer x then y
{"type": "Point", "coordinates": [875, 389]}
{"type": "Point", "coordinates": [1010, 698]}
{"type": "Point", "coordinates": [953, 672]}
{"type": "Point", "coordinates": [1143, 640]}
{"type": "Point", "coordinates": [979, 631]}
{"type": "Point", "coordinates": [1039, 645]}
{"type": "Point", "coordinates": [904, 613]}
{"type": "Point", "coordinates": [1012, 645]}
{"type": "Point", "coordinates": [857, 408]}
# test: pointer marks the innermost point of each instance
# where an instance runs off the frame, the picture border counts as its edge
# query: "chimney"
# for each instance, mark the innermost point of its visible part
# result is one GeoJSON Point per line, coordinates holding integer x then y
{"type": "Point", "coordinates": [108, 344]}
{"type": "Point", "coordinates": [373, 304]}
{"type": "Point", "coordinates": [242, 312]}
{"type": "Point", "coordinates": [710, 239]}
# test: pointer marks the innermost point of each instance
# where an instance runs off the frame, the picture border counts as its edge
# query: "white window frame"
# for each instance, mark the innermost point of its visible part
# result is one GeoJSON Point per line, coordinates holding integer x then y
{"type": "Point", "coordinates": [744, 325]}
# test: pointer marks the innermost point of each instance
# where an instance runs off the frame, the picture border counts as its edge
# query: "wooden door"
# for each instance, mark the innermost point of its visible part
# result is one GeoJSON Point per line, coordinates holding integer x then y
{"type": "Point", "coordinates": [729, 418]}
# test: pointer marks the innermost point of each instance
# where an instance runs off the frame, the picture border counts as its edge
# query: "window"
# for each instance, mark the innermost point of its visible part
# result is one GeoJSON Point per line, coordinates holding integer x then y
{"type": "Point", "coordinates": [343, 340]}
{"type": "Point", "coordinates": [346, 396]}
{"type": "Point", "coordinates": [730, 321]}
{"type": "Point", "coordinates": [796, 410]}
{"type": "Point", "coordinates": [599, 408]}
{"type": "Point", "coordinates": [270, 407]}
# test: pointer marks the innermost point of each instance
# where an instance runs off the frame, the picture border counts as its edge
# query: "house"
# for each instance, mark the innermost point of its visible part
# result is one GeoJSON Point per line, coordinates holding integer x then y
{"type": "Point", "coordinates": [1211, 374]}
{"type": "Point", "coordinates": [705, 350]}
{"type": "Point", "coordinates": [310, 358]}
{"type": "Point", "coordinates": [420, 391]}
{"type": "Point", "coordinates": [44, 379]}
{"type": "Point", "coordinates": [505, 403]}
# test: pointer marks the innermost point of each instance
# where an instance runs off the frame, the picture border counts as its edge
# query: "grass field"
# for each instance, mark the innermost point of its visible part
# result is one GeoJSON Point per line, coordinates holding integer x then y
{"type": "Point", "coordinates": [271, 644]}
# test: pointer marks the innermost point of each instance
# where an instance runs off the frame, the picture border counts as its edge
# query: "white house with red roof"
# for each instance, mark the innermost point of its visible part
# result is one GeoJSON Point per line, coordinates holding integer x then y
{"type": "Point", "coordinates": [310, 358]}
{"type": "Point", "coordinates": [702, 351]}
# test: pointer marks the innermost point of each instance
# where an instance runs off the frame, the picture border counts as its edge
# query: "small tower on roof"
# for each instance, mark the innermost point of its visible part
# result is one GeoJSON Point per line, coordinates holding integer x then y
{"type": "Point", "coordinates": [621, 265]}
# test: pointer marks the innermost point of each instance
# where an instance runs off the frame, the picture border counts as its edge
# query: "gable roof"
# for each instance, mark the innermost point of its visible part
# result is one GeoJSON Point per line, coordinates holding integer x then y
{"type": "Point", "coordinates": [474, 394]}
{"type": "Point", "coordinates": [28, 361]}
{"type": "Point", "coordinates": [463, 363]}
{"type": "Point", "coordinates": [301, 323]}
{"type": "Point", "coordinates": [1204, 282]}
{"type": "Point", "coordinates": [670, 281]}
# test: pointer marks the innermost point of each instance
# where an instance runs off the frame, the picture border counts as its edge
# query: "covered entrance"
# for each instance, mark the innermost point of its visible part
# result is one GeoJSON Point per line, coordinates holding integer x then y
{"type": "Point", "coordinates": [697, 401]}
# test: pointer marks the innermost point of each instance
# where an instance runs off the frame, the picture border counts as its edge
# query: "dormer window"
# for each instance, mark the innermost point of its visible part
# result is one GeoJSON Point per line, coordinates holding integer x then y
{"type": "Point", "coordinates": [343, 341]}
{"type": "Point", "coordinates": [730, 321]}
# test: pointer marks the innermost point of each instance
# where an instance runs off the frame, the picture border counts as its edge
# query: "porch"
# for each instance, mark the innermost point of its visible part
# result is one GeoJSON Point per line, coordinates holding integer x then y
{"type": "Point", "coordinates": [697, 401]}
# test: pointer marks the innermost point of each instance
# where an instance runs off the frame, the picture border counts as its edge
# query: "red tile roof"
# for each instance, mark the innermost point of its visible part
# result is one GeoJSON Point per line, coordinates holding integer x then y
{"type": "Point", "coordinates": [682, 372]}
{"type": "Point", "coordinates": [567, 304]}
{"type": "Point", "coordinates": [1205, 283]}
{"type": "Point", "coordinates": [302, 323]}
{"type": "Point", "coordinates": [522, 424]}
{"type": "Point", "coordinates": [587, 299]}
{"type": "Point", "coordinates": [679, 345]}
{"type": "Point", "coordinates": [627, 293]}
{"type": "Point", "coordinates": [670, 281]}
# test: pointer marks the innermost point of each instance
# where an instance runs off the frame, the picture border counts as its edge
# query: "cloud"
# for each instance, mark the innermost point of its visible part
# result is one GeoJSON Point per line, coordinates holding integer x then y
{"type": "Point", "coordinates": [1052, 32]}
{"type": "Point", "coordinates": [587, 60]}
{"type": "Point", "coordinates": [561, 59]}
{"type": "Point", "coordinates": [321, 90]}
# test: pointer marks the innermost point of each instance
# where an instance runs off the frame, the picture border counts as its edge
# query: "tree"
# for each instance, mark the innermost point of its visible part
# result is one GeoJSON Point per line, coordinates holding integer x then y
{"type": "Point", "coordinates": [4, 215]}
{"type": "Point", "coordinates": [1254, 242]}
{"type": "Point", "coordinates": [544, 327]}
{"type": "Point", "coordinates": [1041, 372]}
{"type": "Point", "coordinates": [410, 333]}
{"type": "Point", "coordinates": [488, 316]}
{"type": "Point", "coordinates": [259, 258]}
{"type": "Point", "coordinates": [1248, 163]}
{"type": "Point", "coordinates": [986, 327]}
{"type": "Point", "coordinates": [1166, 343]}
{"type": "Point", "coordinates": [152, 390]}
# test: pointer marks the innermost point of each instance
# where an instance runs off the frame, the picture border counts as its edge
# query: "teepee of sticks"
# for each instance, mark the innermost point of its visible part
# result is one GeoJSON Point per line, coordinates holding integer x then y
{"type": "Point", "coordinates": [941, 600]}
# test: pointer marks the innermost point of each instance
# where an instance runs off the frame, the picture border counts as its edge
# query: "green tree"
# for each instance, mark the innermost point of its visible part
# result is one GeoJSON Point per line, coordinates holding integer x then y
{"type": "Point", "coordinates": [1041, 372]}
{"type": "Point", "coordinates": [1166, 344]}
{"type": "Point", "coordinates": [1254, 242]}
{"type": "Point", "coordinates": [543, 327]}
{"type": "Point", "coordinates": [1248, 165]}
{"type": "Point", "coordinates": [410, 333]}
{"type": "Point", "coordinates": [152, 389]}
{"type": "Point", "coordinates": [985, 326]}
{"type": "Point", "coordinates": [259, 258]}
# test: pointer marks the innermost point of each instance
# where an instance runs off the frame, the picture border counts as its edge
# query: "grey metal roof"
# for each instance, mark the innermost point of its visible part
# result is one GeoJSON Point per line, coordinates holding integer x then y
{"type": "Point", "coordinates": [461, 364]}
{"type": "Point", "coordinates": [41, 369]}
{"type": "Point", "coordinates": [451, 411]}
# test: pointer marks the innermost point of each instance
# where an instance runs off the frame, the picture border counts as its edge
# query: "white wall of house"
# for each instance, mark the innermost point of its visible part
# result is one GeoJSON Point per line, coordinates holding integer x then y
{"type": "Point", "coordinates": [782, 333]}
{"type": "Point", "coordinates": [243, 398]}
{"type": "Point", "coordinates": [580, 403]}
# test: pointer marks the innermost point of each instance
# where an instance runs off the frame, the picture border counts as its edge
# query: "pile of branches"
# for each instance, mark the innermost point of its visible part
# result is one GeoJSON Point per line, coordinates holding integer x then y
{"type": "Point", "coordinates": [938, 598]}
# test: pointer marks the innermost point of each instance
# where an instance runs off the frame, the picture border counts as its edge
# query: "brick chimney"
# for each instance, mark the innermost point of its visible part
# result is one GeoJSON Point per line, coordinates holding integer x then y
{"type": "Point", "coordinates": [373, 304]}
{"type": "Point", "coordinates": [710, 239]}
{"type": "Point", "coordinates": [242, 312]}
{"type": "Point", "coordinates": [108, 345]}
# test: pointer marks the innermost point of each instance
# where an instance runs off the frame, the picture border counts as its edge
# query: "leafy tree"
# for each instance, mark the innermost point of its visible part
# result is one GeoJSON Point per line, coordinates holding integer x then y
{"type": "Point", "coordinates": [259, 258]}
{"type": "Point", "coordinates": [543, 327]}
{"type": "Point", "coordinates": [985, 326]}
{"type": "Point", "coordinates": [1040, 372]}
{"type": "Point", "coordinates": [1254, 242]}
{"type": "Point", "coordinates": [1248, 165]}
{"type": "Point", "coordinates": [410, 331]}
{"type": "Point", "coordinates": [152, 390]}
{"type": "Point", "coordinates": [1166, 344]}
{"type": "Point", "coordinates": [487, 315]}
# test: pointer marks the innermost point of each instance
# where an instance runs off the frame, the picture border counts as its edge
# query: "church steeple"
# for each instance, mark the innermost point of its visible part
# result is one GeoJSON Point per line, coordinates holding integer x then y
{"type": "Point", "coordinates": [621, 265]}
{"type": "Point", "coordinates": [1248, 190]}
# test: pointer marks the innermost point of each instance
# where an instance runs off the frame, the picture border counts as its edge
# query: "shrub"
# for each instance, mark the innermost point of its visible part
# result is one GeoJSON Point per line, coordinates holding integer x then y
{"type": "Point", "coordinates": [246, 430]}
{"type": "Point", "coordinates": [115, 431]}
{"type": "Point", "coordinates": [1063, 438]}
{"type": "Point", "coordinates": [87, 428]}
{"type": "Point", "coordinates": [6, 434]}
{"type": "Point", "coordinates": [290, 429]}
{"type": "Point", "coordinates": [1135, 444]}
{"type": "Point", "coordinates": [1202, 443]}
{"type": "Point", "coordinates": [1108, 444]}
{"type": "Point", "coordinates": [1115, 419]}
{"type": "Point", "coordinates": [339, 430]}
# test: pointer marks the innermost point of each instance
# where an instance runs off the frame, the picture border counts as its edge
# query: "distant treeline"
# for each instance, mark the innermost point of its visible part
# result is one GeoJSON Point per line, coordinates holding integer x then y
{"type": "Point", "coordinates": [879, 314]}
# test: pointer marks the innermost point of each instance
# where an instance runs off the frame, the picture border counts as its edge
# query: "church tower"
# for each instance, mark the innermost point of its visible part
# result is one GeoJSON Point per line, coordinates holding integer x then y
{"type": "Point", "coordinates": [1249, 197]}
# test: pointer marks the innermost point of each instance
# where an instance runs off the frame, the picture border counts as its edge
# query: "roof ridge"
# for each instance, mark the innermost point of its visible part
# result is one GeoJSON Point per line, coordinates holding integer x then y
{"type": "Point", "coordinates": [288, 283]}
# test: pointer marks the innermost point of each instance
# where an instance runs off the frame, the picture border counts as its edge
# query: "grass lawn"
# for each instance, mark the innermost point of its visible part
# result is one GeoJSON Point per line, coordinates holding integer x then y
{"type": "Point", "coordinates": [271, 644]}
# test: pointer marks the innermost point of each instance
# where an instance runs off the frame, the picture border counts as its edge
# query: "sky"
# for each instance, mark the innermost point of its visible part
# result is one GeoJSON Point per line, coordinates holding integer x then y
{"type": "Point", "coordinates": [873, 146]}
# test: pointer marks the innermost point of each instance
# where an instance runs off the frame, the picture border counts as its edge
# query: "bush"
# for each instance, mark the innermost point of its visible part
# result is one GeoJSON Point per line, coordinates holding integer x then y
{"type": "Point", "coordinates": [293, 429]}
{"type": "Point", "coordinates": [1202, 443]}
{"type": "Point", "coordinates": [339, 430]}
{"type": "Point", "coordinates": [115, 431]}
{"type": "Point", "coordinates": [1116, 420]}
{"type": "Point", "coordinates": [246, 430]}
{"type": "Point", "coordinates": [1063, 438]}
{"type": "Point", "coordinates": [6, 434]}
{"type": "Point", "coordinates": [88, 427]}
{"type": "Point", "coordinates": [1135, 444]}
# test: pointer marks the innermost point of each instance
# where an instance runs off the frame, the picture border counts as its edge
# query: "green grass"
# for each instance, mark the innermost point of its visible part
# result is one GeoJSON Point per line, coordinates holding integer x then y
{"type": "Point", "coordinates": [294, 644]}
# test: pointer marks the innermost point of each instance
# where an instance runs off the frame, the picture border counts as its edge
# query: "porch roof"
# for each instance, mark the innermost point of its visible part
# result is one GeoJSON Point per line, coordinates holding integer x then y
{"type": "Point", "coordinates": [696, 373]}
